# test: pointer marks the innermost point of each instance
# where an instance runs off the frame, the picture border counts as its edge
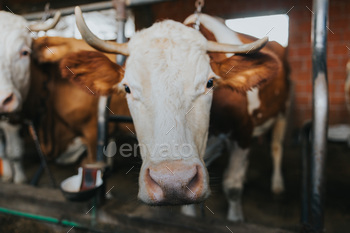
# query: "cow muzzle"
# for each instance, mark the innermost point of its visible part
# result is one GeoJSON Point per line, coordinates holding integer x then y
{"type": "Point", "coordinates": [174, 183]}
{"type": "Point", "coordinates": [8, 102]}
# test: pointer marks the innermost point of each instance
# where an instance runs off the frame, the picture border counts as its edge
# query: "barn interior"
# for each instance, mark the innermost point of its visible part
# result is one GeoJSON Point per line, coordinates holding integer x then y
{"type": "Point", "coordinates": [39, 205]}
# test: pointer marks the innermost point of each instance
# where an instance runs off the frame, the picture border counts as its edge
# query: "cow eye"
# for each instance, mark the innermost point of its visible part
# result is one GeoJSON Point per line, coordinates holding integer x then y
{"type": "Point", "coordinates": [210, 83]}
{"type": "Point", "coordinates": [24, 53]}
{"type": "Point", "coordinates": [127, 89]}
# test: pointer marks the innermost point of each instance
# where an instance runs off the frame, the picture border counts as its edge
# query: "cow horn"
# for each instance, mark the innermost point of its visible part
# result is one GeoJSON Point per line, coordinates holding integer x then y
{"type": "Point", "coordinates": [238, 49]}
{"type": "Point", "coordinates": [43, 26]}
{"type": "Point", "coordinates": [94, 41]}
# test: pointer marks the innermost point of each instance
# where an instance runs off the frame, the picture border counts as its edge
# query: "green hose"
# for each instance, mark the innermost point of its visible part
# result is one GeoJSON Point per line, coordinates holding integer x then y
{"type": "Point", "coordinates": [39, 217]}
{"type": "Point", "coordinates": [49, 220]}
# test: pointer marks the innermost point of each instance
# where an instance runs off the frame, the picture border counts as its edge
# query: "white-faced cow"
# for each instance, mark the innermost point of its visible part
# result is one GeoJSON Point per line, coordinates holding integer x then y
{"type": "Point", "coordinates": [14, 83]}
{"type": "Point", "coordinates": [31, 84]}
{"type": "Point", "coordinates": [169, 77]}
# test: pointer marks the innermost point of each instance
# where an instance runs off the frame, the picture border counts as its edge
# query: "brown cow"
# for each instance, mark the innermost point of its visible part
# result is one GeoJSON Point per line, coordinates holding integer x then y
{"type": "Point", "coordinates": [30, 83]}
{"type": "Point", "coordinates": [60, 110]}
{"type": "Point", "coordinates": [67, 111]}
{"type": "Point", "coordinates": [168, 80]}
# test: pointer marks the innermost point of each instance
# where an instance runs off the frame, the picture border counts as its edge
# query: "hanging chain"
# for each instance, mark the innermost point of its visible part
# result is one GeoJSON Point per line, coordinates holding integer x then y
{"type": "Point", "coordinates": [199, 4]}
{"type": "Point", "coordinates": [46, 14]}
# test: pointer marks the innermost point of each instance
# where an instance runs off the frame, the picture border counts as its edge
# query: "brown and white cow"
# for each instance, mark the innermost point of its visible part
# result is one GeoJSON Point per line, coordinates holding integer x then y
{"type": "Point", "coordinates": [31, 84]}
{"type": "Point", "coordinates": [251, 114]}
{"type": "Point", "coordinates": [169, 79]}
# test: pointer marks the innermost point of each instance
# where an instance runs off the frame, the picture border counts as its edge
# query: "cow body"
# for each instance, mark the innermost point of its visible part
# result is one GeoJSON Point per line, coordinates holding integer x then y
{"type": "Point", "coordinates": [244, 116]}
{"type": "Point", "coordinates": [169, 79]}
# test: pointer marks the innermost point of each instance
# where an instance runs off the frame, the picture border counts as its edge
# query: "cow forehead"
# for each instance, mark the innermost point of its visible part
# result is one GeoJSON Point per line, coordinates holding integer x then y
{"type": "Point", "coordinates": [14, 32]}
{"type": "Point", "coordinates": [167, 54]}
{"type": "Point", "coordinates": [9, 21]}
{"type": "Point", "coordinates": [161, 34]}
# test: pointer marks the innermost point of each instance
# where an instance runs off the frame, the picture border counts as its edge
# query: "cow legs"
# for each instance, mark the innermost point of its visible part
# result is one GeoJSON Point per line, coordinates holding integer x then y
{"type": "Point", "coordinates": [90, 140]}
{"type": "Point", "coordinates": [12, 162]}
{"type": "Point", "coordinates": [277, 185]}
{"type": "Point", "coordinates": [215, 147]}
{"type": "Point", "coordinates": [233, 181]}
{"type": "Point", "coordinates": [73, 152]}
{"type": "Point", "coordinates": [189, 210]}
{"type": "Point", "coordinates": [19, 176]}
{"type": "Point", "coordinates": [14, 153]}
{"type": "Point", "coordinates": [6, 165]}
{"type": "Point", "coordinates": [13, 171]}
{"type": "Point", "coordinates": [7, 170]}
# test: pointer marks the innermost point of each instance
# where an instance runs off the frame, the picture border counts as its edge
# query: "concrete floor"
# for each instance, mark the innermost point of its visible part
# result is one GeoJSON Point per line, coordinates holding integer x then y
{"type": "Point", "coordinates": [259, 205]}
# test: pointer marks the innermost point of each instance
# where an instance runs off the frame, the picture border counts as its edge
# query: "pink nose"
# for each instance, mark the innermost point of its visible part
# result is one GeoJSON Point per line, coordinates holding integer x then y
{"type": "Point", "coordinates": [175, 182]}
{"type": "Point", "coordinates": [7, 102]}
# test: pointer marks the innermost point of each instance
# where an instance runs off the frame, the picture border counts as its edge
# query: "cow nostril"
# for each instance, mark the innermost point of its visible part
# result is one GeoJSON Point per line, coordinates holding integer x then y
{"type": "Point", "coordinates": [8, 99]}
{"type": "Point", "coordinates": [149, 178]}
{"type": "Point", "coordinates": [152, 183]}
{"type": "Point", "coordinates": [194, 183]}
{"type": "Point", "coordinates": [155, 191]}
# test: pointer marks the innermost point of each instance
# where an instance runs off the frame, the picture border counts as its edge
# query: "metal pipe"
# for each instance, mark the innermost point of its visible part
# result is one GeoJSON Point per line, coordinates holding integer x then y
{"type": "Point", "coordinates": [41, 155]}
{"type": "Point", "coordinates": [36, 178]}
{"type": "Point", "coordinates": [120, 7]}
{"type": "Point", "coordinates": [319, 110]}
{"type": "Point", "coordinates": [90, 7]}
{"type": "Point", "coordinates": [117, 118]}
{"type": "Point", "coordinates": [305, 181]}
{"type": "Point", "coordinates": [102, 133]}
{"type": "Point", "coordinates": [102, 123]}
{"type": "Point", "coordinates": [70, 10]}
{"type": "Point", "coordinates": [131, 3]}
{"type": "Point", "coordinates": [121, 39]}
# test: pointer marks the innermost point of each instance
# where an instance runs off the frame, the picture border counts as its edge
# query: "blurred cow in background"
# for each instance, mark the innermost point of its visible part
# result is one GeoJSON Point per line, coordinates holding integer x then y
{"type": "Point", "coordinates": [69, 111]}
{"type": "Point", "coordinates": [64, 115]}
{"type": "Point", "coordinates": [15, 51]}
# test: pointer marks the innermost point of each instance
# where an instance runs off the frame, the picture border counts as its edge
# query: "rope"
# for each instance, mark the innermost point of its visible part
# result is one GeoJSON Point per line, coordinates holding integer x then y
{"type": "Point", "coordinates": [199, 5]}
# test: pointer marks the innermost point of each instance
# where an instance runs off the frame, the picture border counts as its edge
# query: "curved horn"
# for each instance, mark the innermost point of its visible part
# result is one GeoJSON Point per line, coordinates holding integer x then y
{"type": "Point", "coordinates": [94, 41]}
{"type": "Point", "coordinates": [43, 26]}
{"type": "Point", "coordinates": [244, 48]}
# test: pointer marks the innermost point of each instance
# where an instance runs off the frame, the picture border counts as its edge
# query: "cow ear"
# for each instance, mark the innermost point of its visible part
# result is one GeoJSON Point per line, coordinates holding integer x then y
{"type": "Point", "coordinates": [53, 49]}
{"type": "Point", "coordinates": [244, 72]}
{"type": "Point", "coordinates": [49, 50]}
{"type": "Point", "coordinates": [93, 71]}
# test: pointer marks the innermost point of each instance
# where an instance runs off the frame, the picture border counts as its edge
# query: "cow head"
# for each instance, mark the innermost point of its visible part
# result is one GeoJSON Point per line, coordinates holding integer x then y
{"type": "Point", "coordinates": [15, 51]}
{"type": "Point", "coordinates": [168, 81]}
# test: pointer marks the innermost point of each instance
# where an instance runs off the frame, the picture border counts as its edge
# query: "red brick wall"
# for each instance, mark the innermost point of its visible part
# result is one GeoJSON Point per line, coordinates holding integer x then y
{"type": "Point", "coordinates": [299, 44]}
